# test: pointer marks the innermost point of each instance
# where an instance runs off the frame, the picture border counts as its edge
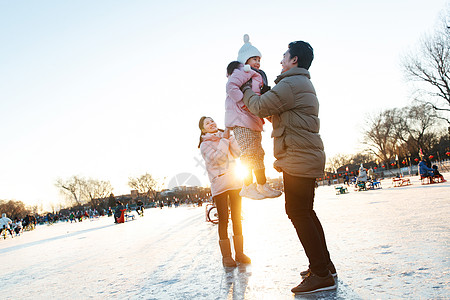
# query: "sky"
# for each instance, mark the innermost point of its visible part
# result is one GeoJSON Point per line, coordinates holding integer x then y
{"type": "Point", "coordinates": [114, 89]}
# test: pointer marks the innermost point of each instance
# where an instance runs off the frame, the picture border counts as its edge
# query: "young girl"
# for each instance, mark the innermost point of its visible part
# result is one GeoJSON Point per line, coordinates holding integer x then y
{"type": "Point", "coordinates": [246, 126]}
{"type": "Point", "coordinates": [219, 150]}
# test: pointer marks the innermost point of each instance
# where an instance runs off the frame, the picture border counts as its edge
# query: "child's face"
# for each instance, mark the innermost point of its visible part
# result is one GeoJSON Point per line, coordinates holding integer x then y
{"type": "Point", "coordinates": [209, 126]}
{"type": "Point", "coordinates": [254, 62]}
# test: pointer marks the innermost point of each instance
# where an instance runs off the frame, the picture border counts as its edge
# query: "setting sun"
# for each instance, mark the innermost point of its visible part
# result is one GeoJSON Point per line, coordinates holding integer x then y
{"type": "Point", "coordinates": [241, 171]}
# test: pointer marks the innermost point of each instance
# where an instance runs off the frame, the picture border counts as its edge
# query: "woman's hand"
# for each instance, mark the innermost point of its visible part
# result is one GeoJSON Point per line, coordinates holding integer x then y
{"type": "Point", "coordinates": [226, 133]}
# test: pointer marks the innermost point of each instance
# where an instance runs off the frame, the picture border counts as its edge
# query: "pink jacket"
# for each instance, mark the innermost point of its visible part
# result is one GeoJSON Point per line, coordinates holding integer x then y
{"type": "Point", "coordinates": [219, 155]}
{"type": "Point", "coordinates": [236, 113]}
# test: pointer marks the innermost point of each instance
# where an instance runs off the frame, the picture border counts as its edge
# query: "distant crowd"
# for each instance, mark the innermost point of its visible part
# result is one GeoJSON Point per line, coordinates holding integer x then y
{"type": "Point", "coordinates": [16, 226]}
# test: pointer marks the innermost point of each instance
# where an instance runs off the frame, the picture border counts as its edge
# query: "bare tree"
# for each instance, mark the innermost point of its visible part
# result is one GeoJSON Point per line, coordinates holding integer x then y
{"type": "Point", "coordinates": [144, 184]}
{"type": "Point", "coordinates": [72, 188]}
{"type": "Point", "coordinates": [361, 158]}
{"type": "Point", "coordinates": [337, 161]}
{"type": "Point", "coordinates": [95, 190]}
{"type": "Point", "coordinates": [420, 127]}
{"type": "Point", "coordinates": [430, 69]}
{"type": "Point", "coordinates": [379, 134]}
{"type": "Point", "coordinates": [401, 131]}
{"type": "Point", "coordinates": [14, 209]}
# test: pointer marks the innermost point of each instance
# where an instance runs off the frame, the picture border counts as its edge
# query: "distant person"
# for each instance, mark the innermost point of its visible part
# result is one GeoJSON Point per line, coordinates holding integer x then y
{"type": "Point", "coordinates": [5, 223]}
{"type": "Point", "coordinates": [246, 126]}
{"type": "Point", "coordinates": [436, 171]}
{"type": "Point", "coordinates": [140, 207]}
{"type": "Point", "coordinates": [424, 170]}
{"type": "Point", "coordinates": [362, 176]}
{"type": "Point", "coordinates": [299, 153]}
{"type": "Point", "coordinates": [17, 226]}
{"type": "Point", "coordinates": [27, 222]}
{"type": "Point", "coordinates": [346, 179]}
{"type": "Point", "coordinates": [371, 174]}
{"type": "Point", "coordinates": [72, 217]}
{"type": "Point", "coordinates": [437, 174]}
{"type": "Point", "coordinates": [219, 150]}
{"type": "Point", "coordinates": [118, 212]}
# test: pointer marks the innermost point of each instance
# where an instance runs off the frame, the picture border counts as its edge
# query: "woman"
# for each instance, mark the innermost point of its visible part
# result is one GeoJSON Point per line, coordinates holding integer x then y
{"type": "Point", "coordinates": [219, 150]}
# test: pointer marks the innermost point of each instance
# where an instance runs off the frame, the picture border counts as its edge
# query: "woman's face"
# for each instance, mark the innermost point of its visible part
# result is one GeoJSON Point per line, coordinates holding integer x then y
{"type": "Point", "coordinates": [209, 126]}
{"type": "Point", "coordinates": [287, 62]}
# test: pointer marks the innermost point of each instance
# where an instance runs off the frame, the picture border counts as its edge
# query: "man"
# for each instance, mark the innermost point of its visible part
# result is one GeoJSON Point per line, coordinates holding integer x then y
{"type": "Point", "coordinates": [299, 154]}
{"type": "Point", "coordinates": [424, 170]}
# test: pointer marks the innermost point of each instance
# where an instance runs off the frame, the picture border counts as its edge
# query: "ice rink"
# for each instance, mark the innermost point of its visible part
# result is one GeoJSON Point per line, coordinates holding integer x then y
{"type": "Point", "coordinates": [390, 243]}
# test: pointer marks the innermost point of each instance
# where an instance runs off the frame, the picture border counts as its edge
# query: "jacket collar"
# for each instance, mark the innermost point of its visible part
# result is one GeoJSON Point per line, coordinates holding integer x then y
{"type": "Point", "coordinates": [212, 136]}
{"type": "Point", "coordinates": [293, 72]}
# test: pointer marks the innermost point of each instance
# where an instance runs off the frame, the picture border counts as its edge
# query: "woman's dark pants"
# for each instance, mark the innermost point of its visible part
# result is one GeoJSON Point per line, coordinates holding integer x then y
{"type": "Point", "coordinates": [221, 202]}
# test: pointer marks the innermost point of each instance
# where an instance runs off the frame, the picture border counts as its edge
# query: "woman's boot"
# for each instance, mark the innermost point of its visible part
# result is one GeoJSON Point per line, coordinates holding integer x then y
{"type": "Point", "coordinates": [239, 248]}
{"type": "Point", "coordinates": [225, 248]}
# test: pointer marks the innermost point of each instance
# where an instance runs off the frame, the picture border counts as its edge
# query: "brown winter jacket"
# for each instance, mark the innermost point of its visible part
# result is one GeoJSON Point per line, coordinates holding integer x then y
{"type": "Point", "coordinates": [294, 108]}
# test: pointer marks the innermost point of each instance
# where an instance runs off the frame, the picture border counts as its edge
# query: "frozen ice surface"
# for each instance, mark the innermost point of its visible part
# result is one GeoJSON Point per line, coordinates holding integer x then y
{"type": "Point", "coordinates": [391, 243]}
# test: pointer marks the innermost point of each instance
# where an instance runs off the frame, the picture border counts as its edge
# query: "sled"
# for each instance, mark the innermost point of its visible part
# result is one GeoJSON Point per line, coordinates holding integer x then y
{"type": "Point", "coordinates": [373, 185]}
{"type": "Point", "coordinates": [400, 182]}
{"type": "Point", "coordinates": [360, 186]}
{"type": "Point", "coordinates": [432, 179]}
{"type": "Point", "coordinates": [121, 219]}
{"type": "Point", "coordinates": [129, 217]}
{"type": "Point", "coordinates": [340, 190]}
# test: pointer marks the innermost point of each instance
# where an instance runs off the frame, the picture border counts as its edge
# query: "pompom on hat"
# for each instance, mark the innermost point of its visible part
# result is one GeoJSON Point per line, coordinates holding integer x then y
{"type": "Point", "coordinates": [247, 51]}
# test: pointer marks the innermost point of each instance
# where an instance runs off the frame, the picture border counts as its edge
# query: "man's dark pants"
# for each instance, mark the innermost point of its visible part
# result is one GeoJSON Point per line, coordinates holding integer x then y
{"type": "Point", "coordinates": [299, 197]}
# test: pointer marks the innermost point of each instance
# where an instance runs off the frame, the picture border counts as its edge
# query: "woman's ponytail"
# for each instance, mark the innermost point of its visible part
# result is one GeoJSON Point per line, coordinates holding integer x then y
{"type": "Point", "coordinates": [201, 139]}
{"type": "Point", "coordinates": [200, 125]}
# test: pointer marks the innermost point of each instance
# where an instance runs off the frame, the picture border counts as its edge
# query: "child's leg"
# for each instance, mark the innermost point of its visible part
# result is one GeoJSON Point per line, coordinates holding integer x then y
{"type": "Point", "coordinates": [260, 176]}
{"type": "Point", "coordinates": [252, 154]}
{"type": "Point", "coordinates": [222, 210]}
{"type": "Point", "coordinates": [248, 179]}
{"type": "Point", "coordinates": [262, 187]}
{"type": "Point", "coordinates": [257, 159]}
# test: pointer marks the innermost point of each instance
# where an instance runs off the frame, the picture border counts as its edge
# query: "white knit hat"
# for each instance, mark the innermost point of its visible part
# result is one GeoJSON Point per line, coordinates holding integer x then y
{"type": "Point", "coordinates": [247, 51]}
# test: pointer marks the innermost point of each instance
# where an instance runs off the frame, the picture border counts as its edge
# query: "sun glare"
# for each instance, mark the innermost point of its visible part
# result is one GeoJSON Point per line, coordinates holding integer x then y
{"type": "Point", "coordinates": [241, 170]}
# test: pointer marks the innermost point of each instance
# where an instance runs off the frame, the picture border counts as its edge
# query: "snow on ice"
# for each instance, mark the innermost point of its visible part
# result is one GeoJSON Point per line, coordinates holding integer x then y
{"type": "Point", "coordinates": [391, 243]}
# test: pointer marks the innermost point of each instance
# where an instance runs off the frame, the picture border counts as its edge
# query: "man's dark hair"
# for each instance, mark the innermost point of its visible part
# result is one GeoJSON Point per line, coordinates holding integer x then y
{"type": "Point", "coordinates": [232, 66]}
{"type": "Point", "coordinates": [304, 53]}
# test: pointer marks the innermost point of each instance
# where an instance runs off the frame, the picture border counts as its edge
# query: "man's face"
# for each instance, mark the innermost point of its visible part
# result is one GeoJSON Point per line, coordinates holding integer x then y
{"type": "Point", "coordinates": [287, 62]}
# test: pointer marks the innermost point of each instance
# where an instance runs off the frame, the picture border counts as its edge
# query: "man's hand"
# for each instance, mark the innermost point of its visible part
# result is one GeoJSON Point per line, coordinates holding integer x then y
{"type": "Point", "coordinates": [247, 85]}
